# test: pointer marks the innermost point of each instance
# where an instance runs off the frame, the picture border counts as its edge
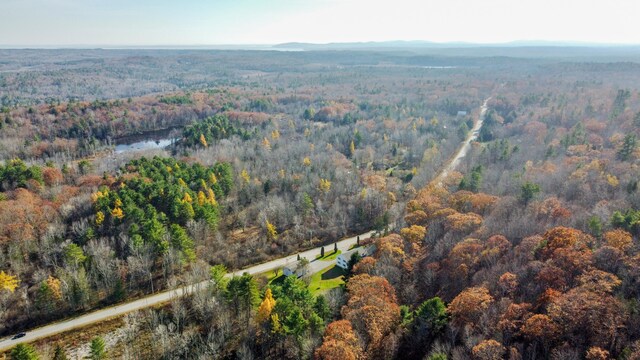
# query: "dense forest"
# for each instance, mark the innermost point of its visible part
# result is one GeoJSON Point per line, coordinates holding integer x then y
{"type": "Point", "coordinates": [529, 250]}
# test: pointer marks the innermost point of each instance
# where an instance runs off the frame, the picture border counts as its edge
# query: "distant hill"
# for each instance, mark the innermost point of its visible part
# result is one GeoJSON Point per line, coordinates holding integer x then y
{"type": "Point", "coordinates": [458, 44]}
{"type": "Point", "coordinates": [518, 49]}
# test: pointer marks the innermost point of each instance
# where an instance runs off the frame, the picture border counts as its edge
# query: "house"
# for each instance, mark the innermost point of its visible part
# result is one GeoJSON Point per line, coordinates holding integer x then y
{"type": "Point", "coordinates": [461, 113]}
{"type": "Point", "coordinates": [289, 269]}
{"type": "Point", "coordinates": [343, 259]}
{"type": "Point", "coordinates": [296, 269]}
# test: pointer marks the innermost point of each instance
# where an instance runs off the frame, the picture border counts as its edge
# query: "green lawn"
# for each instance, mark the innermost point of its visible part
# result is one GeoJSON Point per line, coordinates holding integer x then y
{"type": "Point", "coordinates": [330, 277]}
{"type": "Point", "coordinates": [329, 255]}
{"type": "Point", "coordinates": [271, 276]}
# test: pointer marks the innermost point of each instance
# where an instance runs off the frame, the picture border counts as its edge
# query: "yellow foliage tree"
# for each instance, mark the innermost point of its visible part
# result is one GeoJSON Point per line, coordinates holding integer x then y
{"type": "Point", "coordinates": [276, 327]}
{"type": "Point", "coordinates": [265, 308]}
{"type": "Point", "coordinates": [201, 198]}
{"type": "Point", "coordinates": [612, 180]}
{"type": "Point", "coordinates": [272, 234]}
{"type": "Point", "coordinates": [245, 176]}
{"type": "Point", "coordinates": [99, 218]}
{"type": "Point", "coordinates": [8, 282]}
{"type": "Point", "coordinates": [98, 194]}
{"type": "Point", "coordinates": [203, 140]}
{"type": "Point", "coordinates": [54, 287]}
{"type": "Point", "coordinates": [213, 179]}
{"type": "Point", "coordinates": [275, 134]}
{"type": "Point", "coordinates": [306, 161]}
{"type": "Point", "coordinates": [325, 185]}
{"type": "Point", "coordinates": [117, 213]}
{"type": "Point", "coordinates": [266, 144]}
{"type": "Point", "coordinates": [352, 148]}
{"type": "Point", "coordinates": [187, 198]}
{"type": "Point", "coordinates": [414, 234]}
{"type": "Point", "coordinates": [391, 198]}
{"type": "Point", "coordinates": [211, 197]}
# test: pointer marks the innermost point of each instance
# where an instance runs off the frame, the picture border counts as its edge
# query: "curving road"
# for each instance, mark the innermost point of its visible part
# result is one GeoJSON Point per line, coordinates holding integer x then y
{"type": "Point", "coordinates": [466, 146]}
{"type": "Point", "coordinates": [166, 296]}
{"type": "Point", "coordinates": [163, 297]}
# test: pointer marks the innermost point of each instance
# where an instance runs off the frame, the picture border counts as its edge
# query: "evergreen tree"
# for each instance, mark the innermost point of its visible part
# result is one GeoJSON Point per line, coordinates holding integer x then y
{"type": "Point", "coordinates": [628, 147]}
{"type": "Point", "coordinates": [528, 191]}
{"type": "Point", "coordinates": [59, 353]}
{"type": "Point", "coordinates": [97, 349]}
{"type": "Point", "coordinates": [24, 352]}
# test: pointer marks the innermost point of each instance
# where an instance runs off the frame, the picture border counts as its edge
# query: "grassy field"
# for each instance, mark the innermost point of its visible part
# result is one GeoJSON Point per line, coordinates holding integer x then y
{"type": "Point", "coordinates": [270, 277]}
{"type": "Point", "coordinates": [330, 277]}
{"type": "Point", "coordinates": [72, 340]}
{"type": "Point", "coordinates": [329, 255]}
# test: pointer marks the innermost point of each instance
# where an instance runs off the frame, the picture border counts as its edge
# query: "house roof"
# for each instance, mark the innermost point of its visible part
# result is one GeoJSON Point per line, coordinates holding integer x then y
{"type": "Point", "coordinates": [363, 250]}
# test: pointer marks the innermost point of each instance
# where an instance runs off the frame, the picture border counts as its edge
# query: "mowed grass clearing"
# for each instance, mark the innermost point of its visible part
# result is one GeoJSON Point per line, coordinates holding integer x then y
{"type": "Point", "coordinates": [328, 278]}
{"type": "Point", "coordinates": [329, 255]}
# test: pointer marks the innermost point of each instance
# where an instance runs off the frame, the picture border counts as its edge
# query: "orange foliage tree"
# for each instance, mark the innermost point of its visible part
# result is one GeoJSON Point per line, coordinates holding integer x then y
{"type": "Point", "coordinates": [618, 239]}
{"type": "Point", "coordinates": [372, 309]}
{"type": "Point", "coordinates": [339, 343]}
{"type": "Point", "coordinates": [488, 350]}
{"type": "Point", "coordinates": [468, 306]}
{"type": "Point", "coordinates": [414, 234]}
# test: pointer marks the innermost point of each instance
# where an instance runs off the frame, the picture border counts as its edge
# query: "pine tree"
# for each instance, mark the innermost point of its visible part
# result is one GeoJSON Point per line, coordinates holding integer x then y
{"type": "Point", "coordinates": [24, 352]}
{"type": "Point", "coordinates": [59, 353]}
{"type": "Point", "coordinates": [628, 147]}
{"type": "Point", "coordinates": [97, 350]}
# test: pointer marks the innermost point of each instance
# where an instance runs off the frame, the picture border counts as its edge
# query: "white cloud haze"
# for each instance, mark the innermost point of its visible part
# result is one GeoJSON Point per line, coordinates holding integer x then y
{"type": "Point", "coordinates": [202, 22]}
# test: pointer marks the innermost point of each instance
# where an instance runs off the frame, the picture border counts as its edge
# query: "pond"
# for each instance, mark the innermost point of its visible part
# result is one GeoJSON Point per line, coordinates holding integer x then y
{"type": "Point", "coordinates": [143, 145]}
{"type": "Point", "coordinates": [150, 140]}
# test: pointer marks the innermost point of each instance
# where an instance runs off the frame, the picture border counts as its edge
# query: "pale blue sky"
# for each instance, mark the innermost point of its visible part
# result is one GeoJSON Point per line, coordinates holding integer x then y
{"type": "Point", "coordinates": [208, 22]}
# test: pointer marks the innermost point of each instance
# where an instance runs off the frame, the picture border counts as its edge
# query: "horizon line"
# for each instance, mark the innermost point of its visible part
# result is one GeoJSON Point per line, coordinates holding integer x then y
{"type": "Point", "coordinates": [409, 43]}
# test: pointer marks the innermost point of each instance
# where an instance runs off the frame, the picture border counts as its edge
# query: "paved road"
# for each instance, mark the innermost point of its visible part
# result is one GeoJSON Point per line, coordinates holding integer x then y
{"type": "Point", "coordinates": [163, 297]}
{"type": "Point", "coordinates": [466, 146]}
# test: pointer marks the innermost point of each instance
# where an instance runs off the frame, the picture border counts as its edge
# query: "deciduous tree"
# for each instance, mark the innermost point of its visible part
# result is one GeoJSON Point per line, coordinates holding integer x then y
{"type": "Point", "coordinates": [8, 282]}
{"type": "Point", "coordinates": [468, 306]}
{"type": "Point", "coordinates": [489, 350]}
{"type": "Point", "coordinates": [339, 343]}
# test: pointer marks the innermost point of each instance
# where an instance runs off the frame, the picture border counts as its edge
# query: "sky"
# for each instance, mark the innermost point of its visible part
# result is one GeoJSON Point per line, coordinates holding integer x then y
{"type": "Point", "coordinates": [213, 22]}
